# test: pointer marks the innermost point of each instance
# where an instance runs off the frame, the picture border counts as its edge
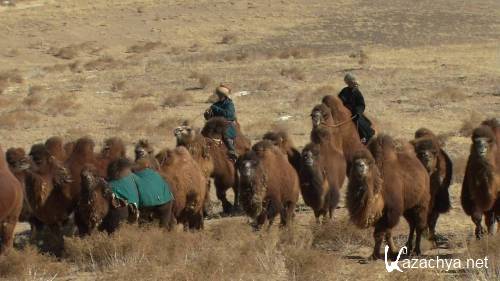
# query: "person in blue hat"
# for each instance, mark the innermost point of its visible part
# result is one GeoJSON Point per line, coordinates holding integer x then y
{"type": "Point", "coordinates": [224, 107]}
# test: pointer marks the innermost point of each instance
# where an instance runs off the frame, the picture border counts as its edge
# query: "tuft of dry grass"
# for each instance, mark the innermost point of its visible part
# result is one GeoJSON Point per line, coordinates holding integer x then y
{"type": "Point", "coordinates": [35, 90]}
{"type": "Point", "coordinates": [469, 124]}
{"type": "Point", "coordinates": [137, 117]}
{"type": "Point", "coordinates": [32, 101]}
{"type": "Point", "coordinates": [63, 104]}
{"type": "Point", "coordinates": [448, 94]}
{"type": "Point", "coordinates": [204, 80]}
{"type": "Point", "coordinates": [144, 47]}
{"type": "Point", "coordinates": [294, 73]}
{"type": "Point", "coordinates": [134, 94]}
{"type": "Point", "coordinates": [103, 63]}
{"type": "Point", "coordinates": [56, 68]}
{"type": "Point", "coordinates": [17, 118]}
{"type": "Point", "coordinates": [117, 86]}
{"type": "Point", "coordinates": [8, 77]}
{"type": "Point", "coordinates": [229, 39]}
{"type": "Point", "coordinates": [28, 264]}
{"type": "Point", "coordinates": [341, 236]}
{"type": "Point", "coordinates": [176, 99]}
{"type": "Point", "coordinates": [306, 98]}
{"type": "Point", "coordinates": [67, 53]}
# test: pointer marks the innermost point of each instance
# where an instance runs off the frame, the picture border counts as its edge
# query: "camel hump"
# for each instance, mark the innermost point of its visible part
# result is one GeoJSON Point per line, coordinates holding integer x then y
{"type": "Point", "coordinates": [215, 126]}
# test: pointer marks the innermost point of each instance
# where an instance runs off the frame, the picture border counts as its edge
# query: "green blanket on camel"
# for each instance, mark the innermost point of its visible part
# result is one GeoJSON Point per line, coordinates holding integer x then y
{"type": "Point", "coordinates": [145, 188]}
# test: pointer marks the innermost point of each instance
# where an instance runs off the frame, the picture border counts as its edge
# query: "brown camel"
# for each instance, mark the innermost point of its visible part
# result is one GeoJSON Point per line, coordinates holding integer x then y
{"type": "Point", "coordinates": [188, 185]}
{"type": "Point", "coordinates": [386, 186]}
{"type": "Point", "coordinates": [322, 173]}
{"type": "Point", "coordinates": [112, 149]}
{"type": "Point", "coordinates": [11, 204]}
{"type": "Point", "coordinates": [481, 185]}
{"type": "Point", "coordinates": [282, 140]}
{"type": "Point", "coordinates": [55, 146]}
{"type": "Point", "coordinates": [269, 184]}
{"type": "Point", "coordinates": [440, 168]}
{"type": "Point", "coordinates": [334, 115]}
{"type": "Point", "coordinates": [208, 149]}
{"type": "Point", "coordinates": [19, 163]}
{"type": "Point", "coordinates": [49, 193]}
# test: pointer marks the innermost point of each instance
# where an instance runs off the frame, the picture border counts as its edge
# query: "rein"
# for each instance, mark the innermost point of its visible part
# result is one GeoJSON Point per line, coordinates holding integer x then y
{"type": "Point", "coordinates": [338, 124]}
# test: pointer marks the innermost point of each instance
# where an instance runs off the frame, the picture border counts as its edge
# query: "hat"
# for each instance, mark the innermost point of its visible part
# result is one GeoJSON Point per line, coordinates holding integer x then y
{"type": "Point", "coordinates": [349, 77]}
{"type": "Point", "coordinates": [224, 90]}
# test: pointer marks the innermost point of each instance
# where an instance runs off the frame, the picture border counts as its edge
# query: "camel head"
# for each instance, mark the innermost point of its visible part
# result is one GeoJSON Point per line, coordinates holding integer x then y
{"type": "Point", "coordinates": [427, 151]}
{"type": "Point", "coordinates": [41, 160]}
{"type": "Point", "coordinates": [483, 143]}
{"type": "Point", "coordinates": [184, 134]}
{"type": "Point", "coordinates": [143, 149]}
{"type": "Point", "coordinates": [247, 165]}
{"type": "Point", "coordinates": [113, 148]}
{"type": "Point", "coordinates": [320, 115]}
{"type": "Point", "coordinates": [17, 159]}
{"type": "Point", "coordinates": [310, 155]}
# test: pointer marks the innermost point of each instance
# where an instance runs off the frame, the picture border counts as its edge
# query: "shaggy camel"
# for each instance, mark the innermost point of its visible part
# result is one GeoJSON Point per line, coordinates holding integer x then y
{"type": "Point", "coordinates": [386, 186]}
{"type": "Point", "coordinates": [440, 168]}
{"type": "Point", "coordinates": [481, 185]}
{"type": "Point", "coordinates": [322, 174]}
{"type": "Point", "coordinates": [188, 185]}
{"type": "Point", "coordinates": [269, 184]}
{"type": "Point", "coordinates": [11, 204]}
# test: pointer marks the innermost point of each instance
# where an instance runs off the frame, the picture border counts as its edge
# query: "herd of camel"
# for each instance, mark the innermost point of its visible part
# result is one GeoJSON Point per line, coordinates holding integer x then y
{"type": "Point", "coordinates": [58, 182]}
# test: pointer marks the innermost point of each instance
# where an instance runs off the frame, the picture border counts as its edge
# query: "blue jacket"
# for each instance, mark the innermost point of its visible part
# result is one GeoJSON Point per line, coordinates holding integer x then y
{"type": "Point", "coordinates": [226, 109]}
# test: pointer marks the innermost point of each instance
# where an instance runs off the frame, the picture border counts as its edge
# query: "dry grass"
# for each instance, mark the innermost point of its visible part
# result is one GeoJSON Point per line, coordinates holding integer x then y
{"type": "Point", "coordinates": [67, 53]}
{"type": "Point", "coordinates": [17, 118]}
{"type": "Point", "coordinates": [177, 99]}
{"type": "Point", "coordinates": [28, 264]}
{"type": "Point", "coordinates": [229, 39]}
{"type": "Point", "coordinates": [56, 68]}
{"type": "Point", "coordinates": [72, 51]}
{"type": "Point", "coordinates": [447, 95]}
{"type": "Point", "coordinates": [182, 256]}
{"type": "Point", "coordinates": [32, 101]}
{"type": "Point", "coordinates": [204, 80]}
{"type": "Point", "coordinates": [135, 94]}
{"type": "Point", "coordinates": [295, 73]}
{"type": "Point", "coordinates": [137, 117]}
{"type": "Point", "coordinates": [63, 104]}
{"type": "Point", "coordinates": [103, 63]}
{"type": "Point", "coordinates": [144, 47]}
{"type": "Point", "coordinates": [118, 86]}
{"type": "Point", "coordinates": [9, 77]}
{"type": "Point", "coordinates": [468, 125]}
{"type": "Point", "coordinates": [306, 98]}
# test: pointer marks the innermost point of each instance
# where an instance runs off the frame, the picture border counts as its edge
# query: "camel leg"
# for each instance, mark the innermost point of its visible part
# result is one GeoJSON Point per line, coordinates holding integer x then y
{"type": "Point", "coordinates": [164, 212]}
{"type": "Point", "coordinates": [411, 222]}
{"type": "Point", "coordinates": [317, 217]}
{"type": "Point", "coordinates": [433, 218]}
{"type": "Point", "coordinates": [491, 222]}
{"type": "Point", "coordinates": [7, 232]}
{"type": "Point", "coordinates": [390, 243]}
{"type": "Point", "coordinates": [221, 195]}
{"type": "Point", "coordinates": [476, 218]}
{"type": "Point", "coordinates": [378, 235]}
